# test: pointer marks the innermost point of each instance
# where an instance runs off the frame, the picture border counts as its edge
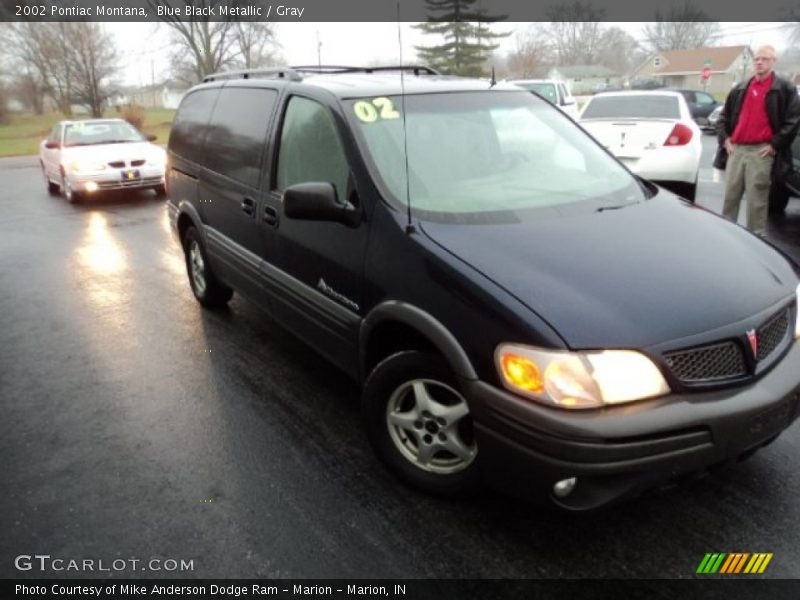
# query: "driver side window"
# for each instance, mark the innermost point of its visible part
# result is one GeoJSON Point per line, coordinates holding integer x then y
{"type": "Point", "coordinates": [311, 149]}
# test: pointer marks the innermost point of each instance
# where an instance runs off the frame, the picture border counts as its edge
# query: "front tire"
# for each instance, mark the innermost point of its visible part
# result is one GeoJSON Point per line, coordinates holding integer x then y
{"type": "Point", "coordinates": [52, 188]}
{"type": "Point", "coordinates": [71, 195]}
{"type": "Point", "coordinates": [419, 424]}
{"type": "Point", "coordinates": [205, 286]}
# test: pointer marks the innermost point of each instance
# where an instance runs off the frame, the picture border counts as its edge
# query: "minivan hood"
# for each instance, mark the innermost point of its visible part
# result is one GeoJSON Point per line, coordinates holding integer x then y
{"type": "Point", "coordinates": [631, 277]}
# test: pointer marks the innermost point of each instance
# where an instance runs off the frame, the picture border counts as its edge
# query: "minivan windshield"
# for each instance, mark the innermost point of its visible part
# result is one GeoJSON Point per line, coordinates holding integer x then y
{"type": "Point", "coordinates": [481, 152]}
{"type": "Point", "coordinates": [102, 132]}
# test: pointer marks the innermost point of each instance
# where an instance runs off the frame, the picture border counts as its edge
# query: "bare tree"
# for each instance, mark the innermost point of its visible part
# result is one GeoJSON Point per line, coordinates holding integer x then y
{"type": "Point", "coordinates": [258, 46]}
{"type": "Point", "coordinates": [39, 49]}
{"type": "Point", "coordinates": [70, 62]}
{"type": "Point", "coordinates": [201, 47]}
{"type": "Point", "coordinates": [533, 51]}
{"type": "Point", "coordinates": [94, 61]}
{"type": "Point", "coordinates": [618, 50]}
{"type": "Point", "coordinates": [681, 28]}
{"type": "Point", "coordinates": [575, 32]}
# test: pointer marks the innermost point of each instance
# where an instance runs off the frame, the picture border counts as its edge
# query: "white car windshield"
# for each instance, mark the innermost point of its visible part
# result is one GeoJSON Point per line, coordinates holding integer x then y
{"type": "Point", "coordinates": [482, 152]}
{"type": "Point", "coordinates": [110, 132]}
{"type": "Point", "coordinates": [633, 106]}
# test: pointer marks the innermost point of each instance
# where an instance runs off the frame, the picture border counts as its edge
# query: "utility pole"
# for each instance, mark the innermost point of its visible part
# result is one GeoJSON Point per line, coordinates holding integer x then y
{"type": "Point", "coordinates": [319, 50]}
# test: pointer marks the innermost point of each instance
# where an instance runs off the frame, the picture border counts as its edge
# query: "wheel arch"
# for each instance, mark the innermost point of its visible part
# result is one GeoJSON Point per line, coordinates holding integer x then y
{"type": "Point", "coordinates": [188, 217]}
{"type": "Point", "coordinates": [394, 326]}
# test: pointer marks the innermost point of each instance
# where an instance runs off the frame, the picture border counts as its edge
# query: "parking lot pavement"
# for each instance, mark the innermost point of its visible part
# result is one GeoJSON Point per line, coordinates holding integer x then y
{"type": "Point", "coordinates": [135, 424]}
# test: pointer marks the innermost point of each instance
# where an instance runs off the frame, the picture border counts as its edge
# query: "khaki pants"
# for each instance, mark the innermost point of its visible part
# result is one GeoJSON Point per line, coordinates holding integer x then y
{"type": "Point", "coordinates": [748, 174]}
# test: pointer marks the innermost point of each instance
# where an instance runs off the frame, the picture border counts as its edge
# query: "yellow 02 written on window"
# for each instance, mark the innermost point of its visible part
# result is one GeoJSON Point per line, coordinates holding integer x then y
{"type": "Point", "coordinates": [369, 111]}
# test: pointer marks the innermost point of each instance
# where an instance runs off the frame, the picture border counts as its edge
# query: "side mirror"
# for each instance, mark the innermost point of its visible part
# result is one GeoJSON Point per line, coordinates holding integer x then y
{"type": "Point", "coordinates": [569, 101]}
{"type": "Point", "coordinates": [52, 145]}
{"type": "Point", "coordinates": [151, 138]}
{"type": "Point", "coordinates": [317, 201]}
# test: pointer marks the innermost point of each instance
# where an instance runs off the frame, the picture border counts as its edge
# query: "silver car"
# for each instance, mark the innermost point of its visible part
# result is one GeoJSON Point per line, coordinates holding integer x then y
{"type": "Point", "coordinates": [82, 158]}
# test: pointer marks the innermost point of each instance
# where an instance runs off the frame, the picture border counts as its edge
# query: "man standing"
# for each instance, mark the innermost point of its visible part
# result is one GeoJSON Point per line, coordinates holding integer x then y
{"type": "Point", "coordinates": [757, 127]}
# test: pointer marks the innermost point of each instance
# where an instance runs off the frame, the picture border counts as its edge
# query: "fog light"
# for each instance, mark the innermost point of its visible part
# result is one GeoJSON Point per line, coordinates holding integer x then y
{"type": "Point", "coordinates": [564, 488]}
{"type": "Point", "coordinates": [91, 186]}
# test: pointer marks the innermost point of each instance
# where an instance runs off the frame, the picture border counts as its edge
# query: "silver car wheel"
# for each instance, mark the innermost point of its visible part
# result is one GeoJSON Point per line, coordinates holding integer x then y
{"type": "Point", "coordinates": [197, 267]}
{"type": "Point", "coordinates": [426, 424]}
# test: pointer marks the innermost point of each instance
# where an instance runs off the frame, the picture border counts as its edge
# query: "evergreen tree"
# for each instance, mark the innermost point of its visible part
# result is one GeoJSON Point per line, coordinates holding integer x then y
{"type": "Point", "coordinates": [467, 38]}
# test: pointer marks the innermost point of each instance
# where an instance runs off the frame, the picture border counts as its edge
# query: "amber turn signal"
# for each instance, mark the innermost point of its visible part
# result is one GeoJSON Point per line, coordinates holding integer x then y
{"type": "Point", "coordinates": [522, 372]}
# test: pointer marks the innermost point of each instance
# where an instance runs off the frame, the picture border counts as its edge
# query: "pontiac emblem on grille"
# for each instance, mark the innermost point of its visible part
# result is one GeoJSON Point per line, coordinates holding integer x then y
{"type": "Point", "coordinates": [752, 337]}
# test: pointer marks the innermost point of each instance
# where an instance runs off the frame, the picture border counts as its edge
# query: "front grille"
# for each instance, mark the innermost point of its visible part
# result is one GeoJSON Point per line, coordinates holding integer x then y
{"type": "Point", "coordinates": [116, 185]}
{"type": "Point", "coordinates": [117, 164]}
{"type": "Point", "coordinates": [137, 163]}
{"type": "Point", "coordinates": [771, 334]}
{"type": "Point", "coordinates": [708, 363]}
{"type": "Point", "coordinates": [721, 361]}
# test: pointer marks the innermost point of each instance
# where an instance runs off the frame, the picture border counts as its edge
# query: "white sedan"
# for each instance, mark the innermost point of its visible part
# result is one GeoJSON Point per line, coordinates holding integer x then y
{"type": "Point", "coordinates": [82, 158]}
{"type": "Point", "coordinates": [652, 133]}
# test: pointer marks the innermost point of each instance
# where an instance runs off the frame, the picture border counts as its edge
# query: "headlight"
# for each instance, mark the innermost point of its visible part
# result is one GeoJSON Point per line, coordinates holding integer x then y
{"type": "Point", "coordinates": [797, 314]}
{"type": "Point", "coordinates": [579, 379]}
{"type": "Point", "coordinates": [86, 165]}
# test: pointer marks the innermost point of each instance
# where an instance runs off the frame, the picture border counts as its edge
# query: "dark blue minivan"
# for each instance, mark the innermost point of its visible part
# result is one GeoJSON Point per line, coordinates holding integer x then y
{"type": "Point", "coordinates": [518, 306]}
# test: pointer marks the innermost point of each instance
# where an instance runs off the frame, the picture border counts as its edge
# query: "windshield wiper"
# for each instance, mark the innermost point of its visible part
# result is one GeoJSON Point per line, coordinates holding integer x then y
{"type": "Point", "coordinates": [617, 207]}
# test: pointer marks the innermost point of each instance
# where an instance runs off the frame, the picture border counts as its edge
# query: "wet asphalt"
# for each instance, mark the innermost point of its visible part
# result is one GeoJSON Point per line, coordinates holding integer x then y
{"type": "Point", "coordinates": [135, 425]}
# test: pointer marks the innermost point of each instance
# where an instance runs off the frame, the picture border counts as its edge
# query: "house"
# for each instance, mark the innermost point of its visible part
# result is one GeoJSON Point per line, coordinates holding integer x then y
{"type": "Point", "coordinates": [162, 95]}
{"type": "Point", "coordinates": [728, 65]}
{"type": "Point", "coordinates": [585, 79]}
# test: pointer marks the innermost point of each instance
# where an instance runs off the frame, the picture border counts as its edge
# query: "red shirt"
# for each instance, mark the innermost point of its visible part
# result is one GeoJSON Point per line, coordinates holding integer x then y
{"type": "Point", "coordinates": [753, 126]}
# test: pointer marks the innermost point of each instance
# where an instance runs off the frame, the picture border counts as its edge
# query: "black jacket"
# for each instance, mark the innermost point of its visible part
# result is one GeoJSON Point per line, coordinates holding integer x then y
{"type": "Point", "coordinates": [783, 112]}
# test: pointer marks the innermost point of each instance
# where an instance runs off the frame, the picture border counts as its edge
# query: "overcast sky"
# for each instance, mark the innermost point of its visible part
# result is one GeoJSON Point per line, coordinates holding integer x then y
{"type": "Point", "coordinates": [145, 49]}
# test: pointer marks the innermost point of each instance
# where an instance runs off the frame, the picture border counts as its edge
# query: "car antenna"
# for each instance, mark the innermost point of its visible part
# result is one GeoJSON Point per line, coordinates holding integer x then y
{"type": "Point", "coordinates": [409, 226]}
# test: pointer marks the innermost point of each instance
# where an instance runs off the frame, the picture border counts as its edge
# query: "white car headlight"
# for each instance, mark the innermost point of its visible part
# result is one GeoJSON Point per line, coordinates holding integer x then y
{"type": "Point", "coordinates": [86, 165]}
{"type": "Point", "coordinates": [579, 379]}
{"type": "Point", "coordinates": [797, 315]}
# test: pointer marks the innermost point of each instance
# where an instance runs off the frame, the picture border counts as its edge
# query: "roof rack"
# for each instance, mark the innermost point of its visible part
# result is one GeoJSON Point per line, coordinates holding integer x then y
{"type": "Point", "coordinates": [273, 73]}
{"type": "Point", "coordinates": [336, 69]}
{"type": "Point", "coordinates": [293, 73]}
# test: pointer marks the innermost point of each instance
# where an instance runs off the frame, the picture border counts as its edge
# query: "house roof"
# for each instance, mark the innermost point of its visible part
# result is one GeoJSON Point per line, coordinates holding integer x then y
{"type": "Point", "coordinates": [678, 62]}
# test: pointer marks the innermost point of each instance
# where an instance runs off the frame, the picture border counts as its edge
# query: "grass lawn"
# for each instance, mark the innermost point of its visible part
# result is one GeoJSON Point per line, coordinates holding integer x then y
{"type": "Point", "coordinates": [25, 131]}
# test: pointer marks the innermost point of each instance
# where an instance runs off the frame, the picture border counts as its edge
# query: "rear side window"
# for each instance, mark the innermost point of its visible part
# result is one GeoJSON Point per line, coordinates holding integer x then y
{"type": "Point", "coordinates": [546, 90]}
{"type": "Point", "coordinates": [190, 125]}
{"type": "Point", "coordinates": [310, 148]}
{"type": "Point", "coordinates": [635, 106]}
{"type": "Point", "coordinates": [237, 134]}
{"type": "Point", "coordinates": [704, 98]}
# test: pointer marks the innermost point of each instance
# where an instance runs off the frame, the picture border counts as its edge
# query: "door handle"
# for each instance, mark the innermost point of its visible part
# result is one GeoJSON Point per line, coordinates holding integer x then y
{"type": "Point", "coordinates": [271, 216]}
{"type": "Point", "coordinates": [249, 206]}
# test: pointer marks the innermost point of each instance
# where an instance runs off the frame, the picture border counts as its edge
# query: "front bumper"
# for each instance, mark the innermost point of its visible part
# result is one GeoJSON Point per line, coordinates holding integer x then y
{"type": "Point", "coordinates": [115, 179]}
{"type": "Point", "coordinates": [624, 450]}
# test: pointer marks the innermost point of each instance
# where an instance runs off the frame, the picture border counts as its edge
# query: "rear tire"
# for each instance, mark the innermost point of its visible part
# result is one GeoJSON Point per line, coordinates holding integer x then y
{"type": "Point", "coordinates": [161, 191]}
{"type": "Point", "coordinates": [206, 288]}
{"type": "Point", "coordinates": [778, 199]}
{"type": "Point", "coordinates": [418, 422]}
{"type": "Point", "coordinates": [687, 191]}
